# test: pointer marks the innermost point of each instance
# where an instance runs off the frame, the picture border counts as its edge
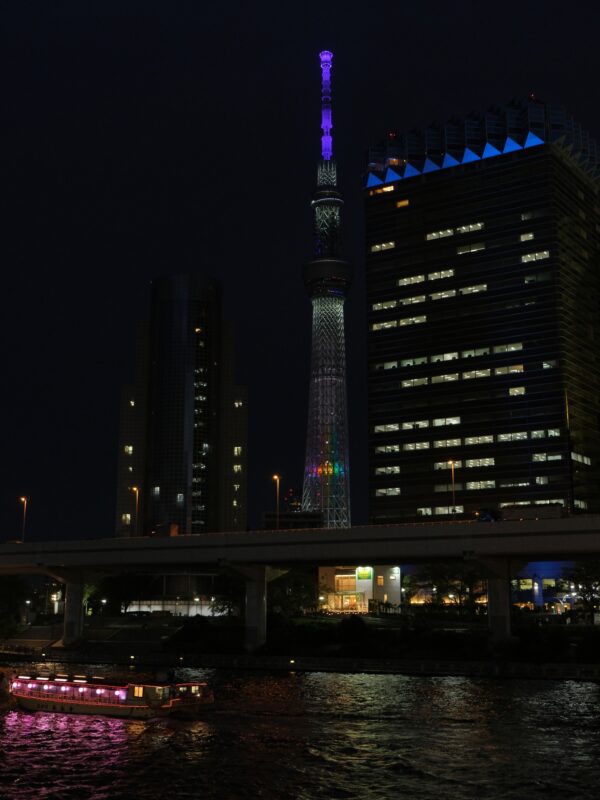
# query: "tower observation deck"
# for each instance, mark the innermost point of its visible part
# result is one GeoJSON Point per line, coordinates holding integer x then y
{"type": "Point", "coordinates": [327, 279]}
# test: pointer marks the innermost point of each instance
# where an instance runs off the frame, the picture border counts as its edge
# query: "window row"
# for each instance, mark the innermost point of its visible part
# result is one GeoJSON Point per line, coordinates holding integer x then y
{"type": "Point", "coordinates": [398, 323]}
{"type": "Point", "coordinates": [475, 440]}
{"type": "Point", "coordinates": [448, 377]}
{"type": "Point", "coordinates": [390, 427]}
{"type": "Point", "coordinates": [385, 305]}
{"type": "Point", "coordinates": [431, 276]}
{"type": "Point", "coordinates": [474, 226]}
{"type": "Point", "coordinates": [456, 354]}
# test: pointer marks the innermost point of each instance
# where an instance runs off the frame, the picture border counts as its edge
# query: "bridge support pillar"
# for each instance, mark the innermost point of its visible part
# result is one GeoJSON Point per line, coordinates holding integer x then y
{"type": "Point", "coordinates": [256, 606]}
{"type": "Point", "coordinates": [73, 621]}
{"type": "Point", "coordinates": [499, 600]}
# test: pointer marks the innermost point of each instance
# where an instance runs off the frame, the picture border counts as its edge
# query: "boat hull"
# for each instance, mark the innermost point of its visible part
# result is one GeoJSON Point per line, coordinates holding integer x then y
{"type": "Point", "coordinates": [72, 707]}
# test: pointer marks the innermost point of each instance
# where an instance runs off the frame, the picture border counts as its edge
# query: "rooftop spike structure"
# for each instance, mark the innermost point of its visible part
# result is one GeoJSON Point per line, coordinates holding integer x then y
{"type": "Point", "coordinates": [327, 278]}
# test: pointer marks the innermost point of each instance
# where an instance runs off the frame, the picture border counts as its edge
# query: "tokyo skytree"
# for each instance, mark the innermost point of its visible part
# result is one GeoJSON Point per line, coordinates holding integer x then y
{"type": "Point", "coordinates": [327, 279]}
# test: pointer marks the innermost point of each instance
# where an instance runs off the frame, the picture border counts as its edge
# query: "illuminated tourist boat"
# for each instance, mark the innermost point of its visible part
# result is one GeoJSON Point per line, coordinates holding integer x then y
{"type": "Point", "coordinates": [135, 700]}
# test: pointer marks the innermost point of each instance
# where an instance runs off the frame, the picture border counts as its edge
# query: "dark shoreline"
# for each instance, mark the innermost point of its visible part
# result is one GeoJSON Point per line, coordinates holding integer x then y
{"type": "Point", "coordinates": [271, 663]}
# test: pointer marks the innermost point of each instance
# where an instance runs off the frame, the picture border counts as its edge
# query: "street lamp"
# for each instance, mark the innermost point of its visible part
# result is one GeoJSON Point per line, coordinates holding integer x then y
{"type": "Point", "coordinates": [452, 463]}
{"type": "Point", "coordinates": [24, 501]}
{"type": "Point", "coordinates": [136, 491]}
{"type": "Point", "coordinates": [277, 478]}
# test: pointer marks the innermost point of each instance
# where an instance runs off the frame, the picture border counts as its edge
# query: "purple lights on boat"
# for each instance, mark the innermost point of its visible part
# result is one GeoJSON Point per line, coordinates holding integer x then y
{"type": "Point", "coordinates": [326, 124]}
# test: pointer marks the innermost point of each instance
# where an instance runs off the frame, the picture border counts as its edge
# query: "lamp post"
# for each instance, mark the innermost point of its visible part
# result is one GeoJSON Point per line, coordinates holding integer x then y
{"type": "Point", "coordinates": [24, 501]}
{"type": "Point", "coordinates": [452, 463]}
{"type": "Point", "coordinates": [277, 478]}
{"type": "Point", "coordinates": [136, 491]}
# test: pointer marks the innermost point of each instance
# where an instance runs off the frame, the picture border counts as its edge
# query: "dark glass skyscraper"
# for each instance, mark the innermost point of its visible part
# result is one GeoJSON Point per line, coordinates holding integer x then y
{"type": "Point", "coordinates": [182, 466]}
{"type": "Point", "coordinates": [483, 282]}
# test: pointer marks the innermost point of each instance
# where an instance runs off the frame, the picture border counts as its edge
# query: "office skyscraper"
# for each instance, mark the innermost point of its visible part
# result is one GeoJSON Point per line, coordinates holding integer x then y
{"type": "Point", "coordinates": [483, 283]}
{"type": "Point", "coordinates": [182, 454]}
{"type": "Point", "coordinates": [327, 278]}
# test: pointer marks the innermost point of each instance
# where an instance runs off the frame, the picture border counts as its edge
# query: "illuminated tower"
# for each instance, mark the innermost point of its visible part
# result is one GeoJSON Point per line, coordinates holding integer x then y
{"type": "Point", "coordinates": [327, 278]}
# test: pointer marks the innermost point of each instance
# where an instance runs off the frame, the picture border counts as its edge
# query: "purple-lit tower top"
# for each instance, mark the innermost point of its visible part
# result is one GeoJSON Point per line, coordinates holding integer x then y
{"type": "Point", "coordinates": [326, 142]}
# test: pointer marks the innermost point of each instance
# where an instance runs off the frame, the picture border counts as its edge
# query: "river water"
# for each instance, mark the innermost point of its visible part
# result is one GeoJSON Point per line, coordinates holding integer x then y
{"type": "Point", "coordinates": [303, 736]}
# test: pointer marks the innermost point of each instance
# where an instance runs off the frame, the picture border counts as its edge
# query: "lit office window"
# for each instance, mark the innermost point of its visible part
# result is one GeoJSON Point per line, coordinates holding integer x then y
{"type": "Point", "coordinates": [387, 492]}
{"type": "Point", "coordinates": [415, 446]}
{"type": "Point", "coordinates": [410, 382]}
{"type": "Point", "coordinates": [470, 485]}
{"type": "Point", "coordinates": [442, 273]}
{"type": "Point", "coordinates": [474, 226]}
{"type": "Point", "coordinates": [237, 450]}
{"type": "Point", "coordinates": [377, 248]}
{"type": "Point", "coordinates": [156, 491]}
{"type": "Point", "coordinates": [479, 287]}
{"type": "Point", "coordinates": [447, 443]}
{"type": "Point", "coordinates": [413, 362]}
{"type": "Point", "coordinates": [581, 459]}
{"type": "Point", "coordinates": [382, 189]}
{"type": "Point", "coordinates": [539, 256]}
{"type": "Point", "coordinates": [449, 510]}
{"type": "Point", "coordinates": [439, 234]}
{"type": "Point", "coordinates": [580, 504]}
{"type": "Point", "coordinates": [486, 439]}
{"type": "Point", "coordinates": [446, 465]}
{"type": "Point", "coordinates": [386, 428]}
{"type": "Point", "coordinates": [409, 301]}
{"type": "Point", "coordinates": [128, 449]}
{"type": "Point", "coordinates": [237, 467]}
{"type": "Point", "coordinates": [383, 326]}
{"type": "Point", "coordinates": [386, 365]}
{"type": "Point", "coordinates": [443, 295]}
{"type": "Point", "coordinates": [447, 378]}
{"type": "Point", "coordinates": [126, 519]}
{"type": "Point", "coordinates": [508, 348]}
{"type": "Point", "coordinates": [470, 248]}
{"type": "Point", "coordinates": [516, 436]}
{"type": "Point", "coordinates": [526, 237]}
{"type": "Point", "coordinates": [476, 373]}
{"type": "Point", "coordinates": [390, 470]}
{"type": "Point", "coordinates": [441, 421]}
{"type": "Point", "coordinates": [410, 280]}
{"type": "Point", "coordinates": [515, 391]}
{"type": "Point", "coordinates": [476, 351]}
{"type": "Point", "coordinates": [388, 448]}
{"type": "Point", "coordinates": [444, 357]}
{"type": "Point", "coordinates": [512, 369]}
{"type": "Point", "coordinates": [414, 424]}
{"type": "Point", "coordinates": [542, 480]}
{"type": "Point", "coordinates": [402, 203]}
{"type": "Point", "coordinates": [384, 305]}
{"type": "Point", "coordinates": [424, 511]}
{"type": "Point", "coordinates": [549, 364]}
{"type": "Point", "coordinates": [412, 320]}
{"type": "Point", "coordinates": [480, 462]}
{"type": "Point", "coordinates": [237, 403]}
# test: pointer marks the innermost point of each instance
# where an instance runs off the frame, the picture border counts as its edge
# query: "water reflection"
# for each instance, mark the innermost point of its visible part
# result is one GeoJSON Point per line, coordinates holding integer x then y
{"type": "Point", "coordinates": [306, 736]}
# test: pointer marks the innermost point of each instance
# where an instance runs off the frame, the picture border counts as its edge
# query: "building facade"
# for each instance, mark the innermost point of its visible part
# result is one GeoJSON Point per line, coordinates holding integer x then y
{"type": "Point", "coordinates": [483, 291]}
{"type": "Point", "coordinates": [183, 439]}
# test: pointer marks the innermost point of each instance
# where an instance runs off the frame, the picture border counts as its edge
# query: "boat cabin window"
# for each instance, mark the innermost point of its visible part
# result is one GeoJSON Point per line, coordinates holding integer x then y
{"type": "Point", "coordinates": [138, 691]}
{"type": "Point", "coordinates": [195, 689]}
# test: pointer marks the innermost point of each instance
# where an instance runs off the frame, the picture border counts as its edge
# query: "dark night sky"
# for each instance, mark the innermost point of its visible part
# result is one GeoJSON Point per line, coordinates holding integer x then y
{"type": "Point", "coordinates": [141, 138]}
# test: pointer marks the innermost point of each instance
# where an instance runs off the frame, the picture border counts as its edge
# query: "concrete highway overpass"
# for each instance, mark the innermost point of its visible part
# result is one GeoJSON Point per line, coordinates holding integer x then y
{"type": "Point", "coordinates": [501, 547]}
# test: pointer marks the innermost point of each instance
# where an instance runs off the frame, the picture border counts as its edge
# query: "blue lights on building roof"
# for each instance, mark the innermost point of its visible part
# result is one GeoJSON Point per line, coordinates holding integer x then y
{"type": "Point", "coordinates": [448, 161]}
{"type": "Point", "coordinates": [517, 126]}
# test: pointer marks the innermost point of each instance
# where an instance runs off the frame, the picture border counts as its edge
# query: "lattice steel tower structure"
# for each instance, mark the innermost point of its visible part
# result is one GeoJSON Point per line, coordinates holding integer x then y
{"type": "Point", "coordinates": [327, 278]}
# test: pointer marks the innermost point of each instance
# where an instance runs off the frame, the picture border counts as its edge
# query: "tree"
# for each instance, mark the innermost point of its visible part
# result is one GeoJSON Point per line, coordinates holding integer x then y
{"type": "Point", "coordinates": [586, 577]}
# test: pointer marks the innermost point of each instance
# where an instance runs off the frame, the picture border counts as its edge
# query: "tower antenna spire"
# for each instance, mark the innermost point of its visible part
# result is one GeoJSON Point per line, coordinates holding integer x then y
{"type": "Point", "coordinates": [326, 140]}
